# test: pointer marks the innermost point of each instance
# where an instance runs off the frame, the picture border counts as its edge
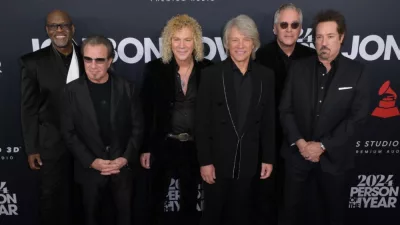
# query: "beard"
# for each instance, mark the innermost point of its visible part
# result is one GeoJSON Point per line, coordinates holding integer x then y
{"type": "Point", "coordinates": [323, 53]}
{"type": "Point", "coordinates": [60, 43]}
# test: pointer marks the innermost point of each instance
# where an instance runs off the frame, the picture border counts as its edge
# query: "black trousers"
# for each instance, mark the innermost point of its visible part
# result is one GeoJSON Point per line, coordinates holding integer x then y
{"type": "Point", "coordinates": [268, 193]}
{"type": "Point", "coordinates": [227, 202]}
{"type": "Point", "coordinates": [178, 159]}
{"type": "Point", "coordinates": [96, 191]}
{"type": "Point", "coordinates": [267, 196]}
{"type": "Point", "coordinates": [328, 196]}
{"type": "Point", "coordinates": [56, 190]}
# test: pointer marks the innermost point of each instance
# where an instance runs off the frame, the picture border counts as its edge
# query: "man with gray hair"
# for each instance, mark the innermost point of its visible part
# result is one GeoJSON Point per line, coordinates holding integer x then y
{"type": "Point", "coordinates": [278, 56]}
{"type": "Point", "coordinates": [235, 117]}
{"type": "Point", "coordinates": [102, 126]}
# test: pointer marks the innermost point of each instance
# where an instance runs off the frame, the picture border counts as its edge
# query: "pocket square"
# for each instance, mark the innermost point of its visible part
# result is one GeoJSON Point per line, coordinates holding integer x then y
{"type": "Point", "coordinates": [345, 88]}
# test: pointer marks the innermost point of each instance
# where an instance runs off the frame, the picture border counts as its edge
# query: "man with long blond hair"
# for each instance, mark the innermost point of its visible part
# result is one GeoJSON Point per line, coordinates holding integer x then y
{"type": "Point", "coordinates": [169, 96]}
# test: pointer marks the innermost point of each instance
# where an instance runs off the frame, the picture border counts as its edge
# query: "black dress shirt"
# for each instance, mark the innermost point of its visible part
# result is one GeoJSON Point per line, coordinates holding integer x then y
{"type": "Point", "coordinates": [66, 59]}
{"type": "Point", "coordinates": [285, 58]}
{"type": "Point", "coordinates": [323, 79]}
{"type": "Point", "coordinates": [183, 111]}
{"type": "Point", "coordinates": [243, 88]}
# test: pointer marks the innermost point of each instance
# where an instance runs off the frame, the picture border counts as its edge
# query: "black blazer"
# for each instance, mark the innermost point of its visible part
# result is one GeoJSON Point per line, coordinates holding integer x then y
{"type": "Point", "coordinates": [158, 97]}
{"type": "Point", "coordinates": [81, 132]}
{"type": "Point", "coordinates": [217, 139]}
{"type": "Point", "coordinates": [268, 56]}
{"type": "Point", "coordinates": [43, 77]}
{"type": "Point", "coordinates": [345, 107]}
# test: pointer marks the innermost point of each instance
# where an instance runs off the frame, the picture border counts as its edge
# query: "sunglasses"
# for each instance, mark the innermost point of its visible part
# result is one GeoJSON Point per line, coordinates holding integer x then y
{"type": "Point", "coordinates": [62, 26]}
{"type": "Point", "coordinates": [96, 60]}
{"type": "Point", "coordinates": [293, 25]}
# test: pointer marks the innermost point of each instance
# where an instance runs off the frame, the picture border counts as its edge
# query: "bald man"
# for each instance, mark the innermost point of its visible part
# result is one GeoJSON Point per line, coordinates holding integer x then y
{"type": "Point", "coordinates": [44, 74]}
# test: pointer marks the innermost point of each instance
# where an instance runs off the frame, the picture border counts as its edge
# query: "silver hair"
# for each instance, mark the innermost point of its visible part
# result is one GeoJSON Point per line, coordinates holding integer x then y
{"type": "Point", "coordinates": [247, 27]}
{"type": "Point", "coordinates": [288, 6]}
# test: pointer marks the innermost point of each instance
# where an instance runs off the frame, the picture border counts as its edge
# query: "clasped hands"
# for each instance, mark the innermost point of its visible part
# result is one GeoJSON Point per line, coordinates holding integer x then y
{"type": "Point", "coordinates": [109, 167]}
{"type": "Point", "coordinates": [311, 150]}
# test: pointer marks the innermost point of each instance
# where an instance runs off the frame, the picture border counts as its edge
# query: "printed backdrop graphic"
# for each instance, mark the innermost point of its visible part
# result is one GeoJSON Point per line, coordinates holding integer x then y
{"type": "Point", "coordinates": [134, 28]}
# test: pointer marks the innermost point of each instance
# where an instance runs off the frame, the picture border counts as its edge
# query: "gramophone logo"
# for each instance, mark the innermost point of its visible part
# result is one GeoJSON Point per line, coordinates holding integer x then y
{"type": "Point", "coordinates": [387, 105]}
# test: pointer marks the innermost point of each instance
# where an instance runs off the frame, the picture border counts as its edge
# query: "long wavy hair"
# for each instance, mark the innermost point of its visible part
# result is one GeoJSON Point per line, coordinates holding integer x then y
{"type": "Point", "coordinates": [175, 24]}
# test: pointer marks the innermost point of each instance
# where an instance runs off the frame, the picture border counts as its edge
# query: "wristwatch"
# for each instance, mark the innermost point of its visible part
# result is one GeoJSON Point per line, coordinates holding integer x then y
{"type": "Point", "coordinates": [323, 146]}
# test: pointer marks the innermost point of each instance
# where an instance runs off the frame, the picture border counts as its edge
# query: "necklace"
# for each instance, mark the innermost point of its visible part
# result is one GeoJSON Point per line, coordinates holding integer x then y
{"type": "Point", "coordinates": [183, 83]}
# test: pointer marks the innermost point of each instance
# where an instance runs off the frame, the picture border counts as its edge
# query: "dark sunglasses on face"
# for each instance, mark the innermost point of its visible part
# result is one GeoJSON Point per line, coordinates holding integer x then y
{"type": "Point", "coordinates": [96, 60]}
{"type": "Point", "coordinates": [293, 25]}
{"type": "Point", "coordinates": [63, 26]}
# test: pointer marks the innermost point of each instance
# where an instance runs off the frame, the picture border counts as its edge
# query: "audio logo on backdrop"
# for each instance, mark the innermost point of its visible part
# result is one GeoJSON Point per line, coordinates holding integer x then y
{"type": "Point", "coordinates": [9, 153]}
{"type": "Point", "coordinates": [378, 147]}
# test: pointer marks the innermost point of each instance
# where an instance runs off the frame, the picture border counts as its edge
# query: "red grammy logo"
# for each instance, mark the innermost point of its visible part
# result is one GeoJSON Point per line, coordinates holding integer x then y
{"type": "Point", "coordinates": [387, 105]}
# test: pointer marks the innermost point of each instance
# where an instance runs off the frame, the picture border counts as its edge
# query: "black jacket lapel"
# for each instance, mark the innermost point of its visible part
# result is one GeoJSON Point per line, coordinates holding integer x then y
{"type": "Point", "coordinates": [197, 69]}
{"type": "Point", "coordinates": [310, 78]}
{"type": "Point", "coordinates": [80, 59]}
{"type": "Point", "coordinates": [170, 80]}
{"type": "Point", "coordinates": [230, 94]}
{"type": "Point", "coordinates": [85, 102]}
{"type": "Point", "coordinates": [116, 89]}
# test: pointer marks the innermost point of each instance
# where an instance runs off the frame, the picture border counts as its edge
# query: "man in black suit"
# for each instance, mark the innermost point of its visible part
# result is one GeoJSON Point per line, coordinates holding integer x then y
{"type": "Point", "coordinates": [169, 96]}
{"type": "Point", "coordinates": [324, 101]}
{"type": "Point", "coordinates": [278, 56]}
{"type": "Point", "coordinates": [43, 76]}
{"type": "Point", "coordinates": [235, 117]}
{"type": "Point", "coordinates": [102, 126]}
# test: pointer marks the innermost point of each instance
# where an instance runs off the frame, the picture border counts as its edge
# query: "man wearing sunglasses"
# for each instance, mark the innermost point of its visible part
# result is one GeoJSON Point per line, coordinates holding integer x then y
{"type": "Point", "coordinates": [102, 126]}
{"type": "Point", "coordinates": [278, 55]}
{"type": "Point", "coordinates": [43, 76]}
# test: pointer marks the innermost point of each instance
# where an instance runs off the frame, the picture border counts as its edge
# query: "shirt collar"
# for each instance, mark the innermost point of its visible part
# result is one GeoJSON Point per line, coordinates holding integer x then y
{"type": "Point", "coordinates": [235, 68]}
{"type": "Point", "coordinates": [176, 66]}
{"type": "Point", "coordinates": [334, 62]}
{"type": "Point", "coordinates": [282, 53]}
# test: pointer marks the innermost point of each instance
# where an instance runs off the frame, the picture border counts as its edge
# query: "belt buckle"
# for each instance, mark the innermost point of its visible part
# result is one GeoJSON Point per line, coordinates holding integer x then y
{"type": "Point", "coordinates": [183, 137]}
